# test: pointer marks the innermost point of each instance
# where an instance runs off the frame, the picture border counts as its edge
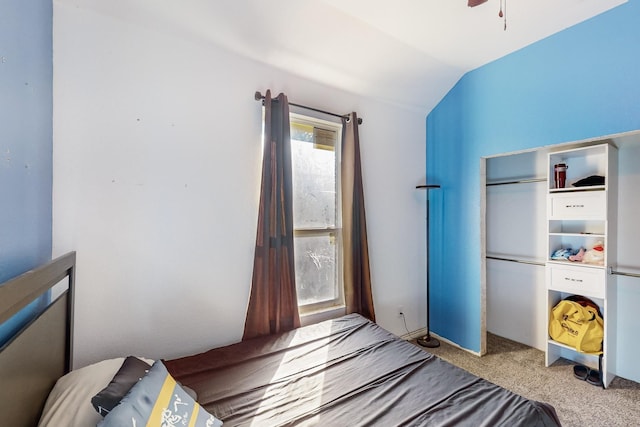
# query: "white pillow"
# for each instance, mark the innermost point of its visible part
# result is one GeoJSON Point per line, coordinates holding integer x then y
{"type": "Point", "coordinates": [69, 403]}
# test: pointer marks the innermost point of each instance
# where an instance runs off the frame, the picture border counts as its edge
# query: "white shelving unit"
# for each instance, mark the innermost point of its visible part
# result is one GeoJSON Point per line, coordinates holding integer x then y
{"type": "Point", "coordinates": [581, 217]}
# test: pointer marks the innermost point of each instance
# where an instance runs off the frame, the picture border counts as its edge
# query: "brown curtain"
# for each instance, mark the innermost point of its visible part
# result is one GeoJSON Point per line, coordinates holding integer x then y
{"type": "Point", "coordinates": [357, 280]}
{"type": "Point", "coordinates": [273, 305]}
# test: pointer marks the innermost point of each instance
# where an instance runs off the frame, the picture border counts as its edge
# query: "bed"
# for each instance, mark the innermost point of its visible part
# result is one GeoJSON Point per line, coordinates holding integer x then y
{"type": "Point", "coordinates": [343, 372]}
{"type": "Point", "coordinates": [41, 352]}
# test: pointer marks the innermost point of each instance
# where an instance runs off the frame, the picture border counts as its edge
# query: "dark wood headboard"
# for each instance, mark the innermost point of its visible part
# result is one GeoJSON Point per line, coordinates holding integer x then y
{"type": "Point", "coordinates": [41, 352]}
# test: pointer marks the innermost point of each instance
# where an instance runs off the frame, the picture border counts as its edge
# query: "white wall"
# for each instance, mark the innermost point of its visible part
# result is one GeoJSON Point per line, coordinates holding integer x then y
{"type": "Point", "coordinates": [156, 179]}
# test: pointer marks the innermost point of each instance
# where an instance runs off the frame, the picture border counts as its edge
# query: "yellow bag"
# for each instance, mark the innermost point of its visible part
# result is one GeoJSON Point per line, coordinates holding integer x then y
{"type": "Point", "coordinates": [577, 326]}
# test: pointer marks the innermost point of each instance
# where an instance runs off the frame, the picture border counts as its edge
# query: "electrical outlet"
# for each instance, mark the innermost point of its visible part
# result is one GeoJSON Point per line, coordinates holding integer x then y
{"type": "Point", "coordinates": [400, 311]}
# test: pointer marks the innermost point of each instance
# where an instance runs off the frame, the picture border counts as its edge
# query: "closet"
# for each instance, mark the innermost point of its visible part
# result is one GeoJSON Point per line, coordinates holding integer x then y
{"type": "Point", "coordinates": [525, 218]}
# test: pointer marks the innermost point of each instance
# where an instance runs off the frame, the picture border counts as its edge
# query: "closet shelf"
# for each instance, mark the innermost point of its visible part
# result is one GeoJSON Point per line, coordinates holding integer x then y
{"type": "Point", "coordinates": [572, 189]}
{"type": "Point", "coordinates": [575, 263]}
{"type": "Point", "coordinates": [556, 343]}
{"type": "Point", "coordinates": [596, 235]}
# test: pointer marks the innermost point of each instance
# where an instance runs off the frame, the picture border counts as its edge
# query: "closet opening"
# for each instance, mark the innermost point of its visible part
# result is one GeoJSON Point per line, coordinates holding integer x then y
{"type": "Point", "coordinates": [515, 187]}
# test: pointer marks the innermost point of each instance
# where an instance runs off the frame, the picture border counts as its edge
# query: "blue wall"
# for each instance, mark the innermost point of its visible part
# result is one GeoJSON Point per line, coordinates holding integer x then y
{"type": "Point", "coordinates": [26, 80]}
{"type": "Point", "coordinates": [581, 83]}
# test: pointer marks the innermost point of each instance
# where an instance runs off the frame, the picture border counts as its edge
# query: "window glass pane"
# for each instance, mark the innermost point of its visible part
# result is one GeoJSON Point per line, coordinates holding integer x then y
{"type": "Point", "coordinates": [301, 132]}
{"type": "Point", "coordinates": [314, 177]}
{"type": "Point", "coordinates": [315, 268]}
{"type": "Point", "coordinates": [315, 217]}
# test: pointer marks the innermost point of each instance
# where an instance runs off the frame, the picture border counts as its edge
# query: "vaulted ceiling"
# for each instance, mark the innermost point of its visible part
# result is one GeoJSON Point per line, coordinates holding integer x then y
{"type": "Point", "coordinates": [409, 52]}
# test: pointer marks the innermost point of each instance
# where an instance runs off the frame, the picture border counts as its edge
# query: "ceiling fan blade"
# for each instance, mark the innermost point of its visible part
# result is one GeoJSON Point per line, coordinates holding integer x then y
{"type": "Point", "coordinates": [473, 3]}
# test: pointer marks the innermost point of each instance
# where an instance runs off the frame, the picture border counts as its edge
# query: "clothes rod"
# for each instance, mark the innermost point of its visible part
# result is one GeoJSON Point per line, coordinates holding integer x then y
{"type": "Point", "coordinates": [620, 273]}
{"type": "Point", "coordinates": [519, 181]}
{"type": "Point", "coordinates": [259, 97]}
{"type": "Point", "coordinates": [520, 261]}
{"type": "Point", "coordinates": [611, 270]}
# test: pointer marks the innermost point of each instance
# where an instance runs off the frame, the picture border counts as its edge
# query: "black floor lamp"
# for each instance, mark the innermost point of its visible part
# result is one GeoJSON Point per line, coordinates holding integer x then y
{"type": "Point", "coordinates": [427, 340]}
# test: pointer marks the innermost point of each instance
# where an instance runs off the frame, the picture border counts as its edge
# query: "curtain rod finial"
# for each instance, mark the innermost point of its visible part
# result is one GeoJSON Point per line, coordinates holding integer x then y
{"type": "Point", "coordinates": [258, 96]}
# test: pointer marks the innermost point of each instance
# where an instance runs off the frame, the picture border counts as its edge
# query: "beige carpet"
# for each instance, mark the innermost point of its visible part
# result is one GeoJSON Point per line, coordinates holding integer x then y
{"type": "Point", "coordinates": [521, 369]}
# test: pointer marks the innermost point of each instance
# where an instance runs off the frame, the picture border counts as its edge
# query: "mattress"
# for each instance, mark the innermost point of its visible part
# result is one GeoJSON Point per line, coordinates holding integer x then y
{"type": "Point", "coordinates": [346, 372]}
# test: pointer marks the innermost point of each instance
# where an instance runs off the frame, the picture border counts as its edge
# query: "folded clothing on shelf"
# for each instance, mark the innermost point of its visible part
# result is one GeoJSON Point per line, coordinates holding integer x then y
{"type": "Point", "coordinates": [589, 181]}
{"type": "Point", "coordinates": [595, 255]}
{"type": "Point", "coordinates": [563, 254]}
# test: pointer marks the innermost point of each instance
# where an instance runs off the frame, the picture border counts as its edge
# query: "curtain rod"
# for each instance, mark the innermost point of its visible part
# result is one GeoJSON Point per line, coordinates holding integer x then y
{"type": "Point", "coordinates": [259, 97]}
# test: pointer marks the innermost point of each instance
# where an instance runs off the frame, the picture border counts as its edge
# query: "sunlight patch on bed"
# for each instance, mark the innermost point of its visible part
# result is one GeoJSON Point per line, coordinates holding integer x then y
{"type": "Point", "coordinates": [298, 382]}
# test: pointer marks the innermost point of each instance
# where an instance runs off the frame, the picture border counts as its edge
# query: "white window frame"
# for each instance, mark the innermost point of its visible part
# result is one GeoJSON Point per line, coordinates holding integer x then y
{"type": "Point", "coordinates": [338, 302]}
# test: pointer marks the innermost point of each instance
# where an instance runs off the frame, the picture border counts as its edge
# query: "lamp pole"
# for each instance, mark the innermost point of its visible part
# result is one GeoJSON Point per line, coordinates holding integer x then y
{"type": "Point", "coordinates": [427, 340]}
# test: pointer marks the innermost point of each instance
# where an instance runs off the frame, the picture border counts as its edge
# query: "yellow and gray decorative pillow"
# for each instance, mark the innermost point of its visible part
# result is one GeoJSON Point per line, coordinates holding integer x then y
{"type": "Point", "coordinates": [158, 400]}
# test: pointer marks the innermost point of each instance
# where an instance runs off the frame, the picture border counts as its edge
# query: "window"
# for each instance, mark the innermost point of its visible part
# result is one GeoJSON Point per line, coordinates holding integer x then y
{"type": "Point", "coordinates": [315, 149]}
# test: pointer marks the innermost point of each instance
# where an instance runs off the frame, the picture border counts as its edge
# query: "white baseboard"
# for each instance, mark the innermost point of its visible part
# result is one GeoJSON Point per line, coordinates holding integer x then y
{"type": "Point", "coordinates": [415, 334]}
{"type": "Point", "coordinates": [423, 331]}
